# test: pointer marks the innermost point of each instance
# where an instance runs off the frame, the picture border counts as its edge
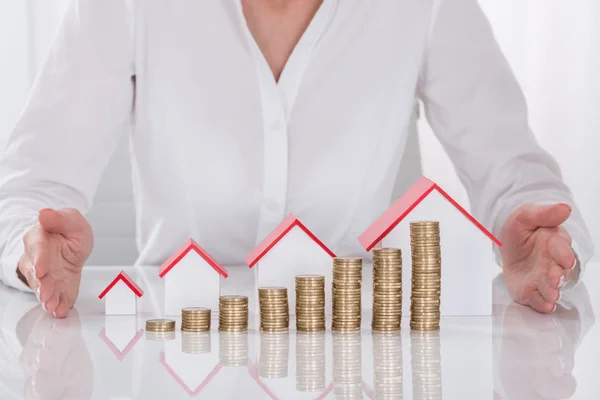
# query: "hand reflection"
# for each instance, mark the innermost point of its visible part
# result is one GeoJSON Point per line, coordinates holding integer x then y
{"type": "Point", "coordinates": [55, 359]}
{"type": "Point", "coordinates": [537, 353]}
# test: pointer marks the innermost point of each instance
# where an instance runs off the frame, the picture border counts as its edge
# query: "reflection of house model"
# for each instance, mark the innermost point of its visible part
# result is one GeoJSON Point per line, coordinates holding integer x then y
{"type": "Point", "coordinates": [192, 279]}
{"type": "Point", "coordinates": [290, 250]}
{"type": "Point", "coordinates": [467, 257]}
{"type": "Point", "coordinates": [120, 295]}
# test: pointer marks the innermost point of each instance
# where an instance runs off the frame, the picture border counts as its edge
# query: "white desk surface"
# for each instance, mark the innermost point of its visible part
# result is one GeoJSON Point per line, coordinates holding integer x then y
{"type": "Point", "coordinates": [514, 354]}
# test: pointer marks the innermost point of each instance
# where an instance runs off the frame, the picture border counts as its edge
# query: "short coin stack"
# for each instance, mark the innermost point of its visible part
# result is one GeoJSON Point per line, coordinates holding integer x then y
{"type": "Point", "coordinates": [160, 325]}
{"type": "Point", "coordinates": [233, 313]}
{"type": "Point", "coordinates": [346, 292]}
{"type": "Point", "coordinates": [387, 289]}
{"type": "Point", "coordinates": [426, 275]}
{"type": "Point", "coordinates": [195, 319]}
{"type": "Point", "coordinates": [310, 303]}
{"type": "Point", "coordinates": [274, 309]}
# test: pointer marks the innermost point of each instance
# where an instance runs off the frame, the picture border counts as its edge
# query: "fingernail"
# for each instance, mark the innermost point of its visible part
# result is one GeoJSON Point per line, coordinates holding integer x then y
{"type": "Point", "coordinates": [44, 306]}
{"type": "Point", "coordinates": [33, 272]}
{"type": "Point", "coordinates": [37, 293]}
{"type": "Point", "coordinates": [54, 313]}
{"type": "Point", "coordinates": [554, 309]}
{"type": "Point", "coordinates": [574, 263]}
{"type": "Point", "coordinates": [561, 281]}
{"type": "Point", "coordinates": [559, 296]}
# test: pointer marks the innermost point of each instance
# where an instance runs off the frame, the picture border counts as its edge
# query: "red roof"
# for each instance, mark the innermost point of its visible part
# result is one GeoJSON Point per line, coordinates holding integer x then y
{"type": "Point", "coordinates": [183, 250]}
{"type": "Point", "coordinates": [276, 235]}
{"type": "Point", "coordinates": [120, 354]}
{"type": "Point", "coordinates": [403, 206]}
{"type": "Point", "coordinates": [180, 381]}
{"type": "Point", "coordinates": [127, 280]}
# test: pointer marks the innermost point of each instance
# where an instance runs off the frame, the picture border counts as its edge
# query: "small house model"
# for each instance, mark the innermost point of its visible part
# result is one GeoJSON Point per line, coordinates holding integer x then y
{"type": "Point", "coordinates": [467, 255]}
{"type": "Point", "coordinates": [289, 250]}
{"type": "Point", "coordinates": [192, 279]}
{"type": "Point", "coordinates": [120, 296]}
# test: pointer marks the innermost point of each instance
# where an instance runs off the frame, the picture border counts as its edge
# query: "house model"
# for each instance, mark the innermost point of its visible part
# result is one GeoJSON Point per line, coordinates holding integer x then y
{"type": "Point", "coordinates": [120, 295]}
{"type": "Point", "coordinates": [466, 246]}
{"type": "Point", "coordinates": [290, 250]}
{"type": "Point", "coordinates": [192, 279]}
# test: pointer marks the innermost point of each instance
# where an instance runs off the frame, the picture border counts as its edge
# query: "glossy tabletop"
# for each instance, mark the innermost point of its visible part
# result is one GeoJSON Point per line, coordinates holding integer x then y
{"type": "Point", "coordinates": [514, 354]}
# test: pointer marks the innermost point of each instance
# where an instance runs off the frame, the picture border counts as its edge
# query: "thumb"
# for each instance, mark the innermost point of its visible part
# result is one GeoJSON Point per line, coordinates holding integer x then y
{"type": "Point", "coordinates": [65, 222]}
{"type": "Point", "coordinates": [534, 216]}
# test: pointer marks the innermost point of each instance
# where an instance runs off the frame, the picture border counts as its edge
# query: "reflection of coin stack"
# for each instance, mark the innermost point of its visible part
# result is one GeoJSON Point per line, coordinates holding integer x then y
{"type": "Point", "coordinates": [387, 289]}
{"type": "Point", "coordinates": [233, 349]}
{"type": "Point", "coordinates": [426, 365]}
{"type": "Point", "coordinates": [233, 313]}
{"type": "Point", "coordinates": [274, 355]}
{"type": "Point", "coordinates": [195, 342]}
{"type": "Point", "coordinates": [274, 309]}
{"type": "Point", "coordinates": [195, 319]}
{"type": "Point", "coordinates": [347, 376]}
{"type": "Point", "coordinates": [346, 292]}
{"type": "Point", "coordinates": [160, 329]}
{"type": "Point", "coordinates": [310, 362]}
{"type": "Point", "coordinates": [426, 275]}
{"type": "Point", "coordinates": [387, 360]}
{"type": "Point", "coordinates": [310, 303]}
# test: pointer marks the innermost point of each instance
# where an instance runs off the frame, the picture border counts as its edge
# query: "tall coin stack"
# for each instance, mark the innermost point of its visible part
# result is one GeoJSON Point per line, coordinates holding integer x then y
{"type": "Point", "coordinates": [426, 275]}
{"type": "Point", "coordinates": [233, 313]}
{"type": "Point", "coordinates": [387, 289]}
{"type": "Point", "coordinates": [310, 362]}
{"type": "Point", "coordinates": [195, 319]}
{"type": "Point", "coordinates": [274, 309]}
{"type": "Point", "coordinates": [310, 303]}
{"type": "Point", "coordinates": [388, 368]}
{"type": "Point", "coordinates": [346, 292]}
{"type": "Point", "coordinates": [347, 370]}
{"type": "Point", "coordinates": [426, 365]}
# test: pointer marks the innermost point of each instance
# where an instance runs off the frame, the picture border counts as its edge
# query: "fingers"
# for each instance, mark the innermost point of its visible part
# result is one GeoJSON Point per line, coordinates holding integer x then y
{"type": "Point", "coordinates": [65, 221]}
{"type": "Point", "coordinates": [560, 250]}
{"type": "Point", "coordinates": [47, 288]}
{"type": "Point", "coordinates": [62, 309]}
{"type": "Point", "coordinates": [51, 305]}
{"type": "Point", "coordinates": [540, 304]}
{"type": "Point", "coordinates": [533, 216]}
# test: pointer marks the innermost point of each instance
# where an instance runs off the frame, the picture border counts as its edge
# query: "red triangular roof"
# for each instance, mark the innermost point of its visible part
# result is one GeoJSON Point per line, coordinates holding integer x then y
{"type": "Point", "coordinates": [276, 235]}
{"type": "Point", "coordinates": [403, 206]}
{"type": "Point", "coordinates": [127, 280]}
{"type": "Point", "coordinates": [120, 354]}
{"type": "Point", "coordinates": [186, 248]}
{"type": "Point", "coordinates": [182, 383]}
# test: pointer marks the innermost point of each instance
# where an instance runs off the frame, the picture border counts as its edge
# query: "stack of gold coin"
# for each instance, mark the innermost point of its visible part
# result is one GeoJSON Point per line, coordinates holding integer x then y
{"type": "Point", "coordinates": [274, 355]}
{"type": "Point", "coordinates": [347, 371]}
{"type": "Point", "coordinates": [426, 365]}
{"type": "Point", "coordinates": [388, 368]}
{"type": "Point", "coordinates": [426, 275]}
{"type": "Point", "coordinates": [274, 309]}
{"type": "Point", "coordinates": [233, 313]}
{"type": "Point", "coordinates": [195, 319]}
{"type": "Point", "coordinates": [233, 349]}
{"type": "Point", "coordinates": [310, 362]}
{"type": "Point", "coordinates": [387, 289]}
{"type": "Point", "coordinates": [160, 325]}
{"type": "Point", "coordinates": [346, 292]}
{"type": "Point", "coordinates": [310, 303]}
{"type": "Point", "coordinates": [195, 342]}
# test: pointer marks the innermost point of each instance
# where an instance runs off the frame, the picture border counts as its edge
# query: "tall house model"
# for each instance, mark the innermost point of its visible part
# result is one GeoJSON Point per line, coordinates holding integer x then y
{"type": "Point", "coordinates": [289, 250]}
{"type": "Point", "coordinates": [192, 279]}
{"type": "Point", "coordinates": [466, 245]}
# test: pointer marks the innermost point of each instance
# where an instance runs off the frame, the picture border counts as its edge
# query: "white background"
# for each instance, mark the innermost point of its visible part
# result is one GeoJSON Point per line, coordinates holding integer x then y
{"type": "Point", "coordinates": [552, 46]}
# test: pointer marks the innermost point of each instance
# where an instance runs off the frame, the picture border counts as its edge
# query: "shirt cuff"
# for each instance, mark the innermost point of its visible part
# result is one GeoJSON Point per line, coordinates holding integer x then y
{"type": "Point", "coordinates": [10, 263]}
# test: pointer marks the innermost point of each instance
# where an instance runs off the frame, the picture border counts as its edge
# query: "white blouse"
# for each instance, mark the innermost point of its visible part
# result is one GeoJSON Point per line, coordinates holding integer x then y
{"type": "Point", "coordinates": [222, 152]}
